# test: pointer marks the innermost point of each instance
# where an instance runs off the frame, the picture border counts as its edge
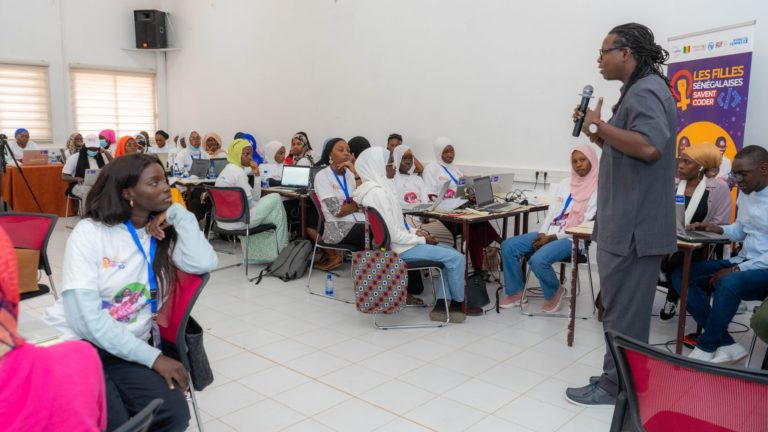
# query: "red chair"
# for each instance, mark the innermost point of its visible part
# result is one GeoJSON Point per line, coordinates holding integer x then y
{"type": "Point", "coordinates": [342, 247]}
{"type": "Point", "coordinates": [32, 231]}
{"type": "Point", "coordinates": [173, 318]}
{"type": "Point", "coordinates": [230, 204]}
{"type": "Point", "coordinates": [381, 240]}
{"type": "Point", "coordinates": [661, 391]}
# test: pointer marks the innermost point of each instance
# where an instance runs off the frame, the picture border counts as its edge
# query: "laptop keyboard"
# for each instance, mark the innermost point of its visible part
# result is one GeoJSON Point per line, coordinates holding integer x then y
{"type": "Point", "coordinates": [496, 206]}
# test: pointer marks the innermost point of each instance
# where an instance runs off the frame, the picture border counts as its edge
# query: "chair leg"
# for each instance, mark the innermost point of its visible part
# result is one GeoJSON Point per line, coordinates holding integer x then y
{"type": "Point", "coordinates": [311, 266]}
{"type": "Point", "coordinates": [751, 349]}
{"type": "Point", "coordinates": [195, 408]}
{"type": "Point", "coordinates": [53, 287]}
{"type": "Point", "coordinates": [424, 325]}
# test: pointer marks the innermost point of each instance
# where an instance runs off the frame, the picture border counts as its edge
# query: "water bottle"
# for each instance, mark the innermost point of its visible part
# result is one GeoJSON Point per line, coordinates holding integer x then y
{"type": "Point", "coordinates": [176, 172]}
{"type": "Point", "coordinates": [212, 172]}
{"type": "Point", "coordinates": [265, 182]}
{"type": "Point", "coordinates": [329, 285]}
{"type": "Point", "coordinates": [680, 211]}
{"type": "Point", "coordinates": [185, 172]}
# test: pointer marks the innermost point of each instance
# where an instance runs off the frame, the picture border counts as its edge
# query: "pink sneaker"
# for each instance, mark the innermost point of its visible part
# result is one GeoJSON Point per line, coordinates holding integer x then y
{"type": "Point", "coordinates": [553, 305]}
{"type": "Point", "coordinates": [512, 301]}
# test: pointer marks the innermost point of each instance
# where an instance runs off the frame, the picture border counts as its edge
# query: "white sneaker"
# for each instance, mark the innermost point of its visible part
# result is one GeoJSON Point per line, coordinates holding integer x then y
{"type": "Point", "coordinates": [730, 354]}
{"type": "Point", "coordinates": [698, 354]}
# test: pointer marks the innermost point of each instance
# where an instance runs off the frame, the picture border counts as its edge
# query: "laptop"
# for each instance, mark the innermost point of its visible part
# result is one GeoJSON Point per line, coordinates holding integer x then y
{"type": "Point", "coordinates": [485, 199]}
{"type": "Point", "coordinates": [218, 165]}
{"type": "Point", "coordinates": [694, 236]}
{"type": "Point", "coordinates": [200, 168]}
{"type": "Point", "coordinates": [503, 183]}
{"type": "Point", "coordinates": [90, 177]}
{"type": "Point", "coordinates": [425, 207]}
{"type": "Point", "coordinates": [464, 183]}
{"type": "Point", "coordinates": [295, 177]}
{"type": "Point", "coordinates": [163, 158]}
{"type": "Point", "coordinates": [63, 154]}
{"type": "Point", "coordinates": [35, 157]}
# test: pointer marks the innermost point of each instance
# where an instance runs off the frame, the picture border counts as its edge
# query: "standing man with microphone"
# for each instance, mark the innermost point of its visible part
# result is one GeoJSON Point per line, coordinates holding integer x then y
{"type": "Point", "coordinates": [635, 222]}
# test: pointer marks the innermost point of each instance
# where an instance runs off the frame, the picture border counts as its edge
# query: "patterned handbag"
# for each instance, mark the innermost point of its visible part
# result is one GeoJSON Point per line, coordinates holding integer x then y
{"type": "Point", "coordinates": [381, 280]}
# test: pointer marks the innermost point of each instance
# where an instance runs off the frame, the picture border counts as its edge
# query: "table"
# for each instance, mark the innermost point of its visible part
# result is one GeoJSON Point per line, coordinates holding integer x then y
{"type": "Point", "coordinates": [465, 220]}
{"type": "Point", "coordinates": [583, 232]}
{"type": "Point", "coordinates": [293, 194]}
{"type": "Point", "coordinates": [45, 181]}
{"type": "Point", "coordinates": [190, 185]}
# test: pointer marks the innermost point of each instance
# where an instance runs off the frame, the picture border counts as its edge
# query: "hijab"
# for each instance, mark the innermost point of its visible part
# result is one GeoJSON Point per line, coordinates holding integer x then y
{"type": "Point", "coordinates": [325, 158]}
{"type": "Point", "coordinates": [306, 151]}
{"type": "Point", "coordinates": [235, 151]}
{"type": "Point", "coordinates": [109, 134]}
{"type": "Point", "coordinates": [9, 297]}
{"type": "Point", "coordinates": [120, 150]}
{"type": "Point", "coordinates": [20, 130]}
{"type": "Point", "coordinates": [188, 141]}
{"type": "Point", "coordinates": [582, 188]}
{"type": "Point", "coordinates": [271, 150]}
{"type": "Point", "coordinates": [371, 166]}
{"type": "Point", "coordinates": [707, 155]}
{"type": "Point", "coordinates": [71, 143]}
{"type": "Point", "coordinates": [216, 138]}
{"type": "Point", "coordinates": [439, 146]}
{"type": "Point", "coordinates": [357, 145]}
{"type": "Point", "coordinates": [256, 155]}
{"type": "Point", "coordinates": [397, 155]}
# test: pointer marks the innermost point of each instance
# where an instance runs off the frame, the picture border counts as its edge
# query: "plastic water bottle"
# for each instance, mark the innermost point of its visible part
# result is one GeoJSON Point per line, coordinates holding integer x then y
{"type": "Point", "coordinates": [176, 172]}
{"type": "Point", "coordinates": [212, 172]}
{"type": "Point", "coordinates": [329, 285]}
{"type": "Point", "coordinates": [185, 173]}
{"type": "Point", "coordinates": [264, 178]}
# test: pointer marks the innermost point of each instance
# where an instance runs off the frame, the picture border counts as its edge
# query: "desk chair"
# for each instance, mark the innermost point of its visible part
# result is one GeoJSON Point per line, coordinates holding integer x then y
{"type": "Point", "coordinates": [342, 247]}
{"type": "Point", "coordinates": [664, 392]}
{"type": "Point", "coordinates": [80, 209]}
{"type": "Point", "coordinates": [381, 240]}
{"type": "Point", "coordinates": [173, 319]}
{"type": "Point", "coordinates": [143, 420]}
{"type": "Point", "coordinates": [32, 231]}
{"type": "Point", "coordinates": [230, 204]}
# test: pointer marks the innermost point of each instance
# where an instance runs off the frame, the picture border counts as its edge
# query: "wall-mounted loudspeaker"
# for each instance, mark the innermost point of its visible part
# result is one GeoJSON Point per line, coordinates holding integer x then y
{"type": "Point", "coordinates": [150, 29]}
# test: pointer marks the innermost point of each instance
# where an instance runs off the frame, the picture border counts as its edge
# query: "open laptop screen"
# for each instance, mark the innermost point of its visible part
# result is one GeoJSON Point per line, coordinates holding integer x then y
{"type": "Point", "coordinates": [483, 191]}
{"type": "Point", "coordinates": [295, 176]}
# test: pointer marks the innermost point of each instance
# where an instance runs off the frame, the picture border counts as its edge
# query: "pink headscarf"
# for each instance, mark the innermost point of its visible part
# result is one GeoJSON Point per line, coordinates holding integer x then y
{"type": "Point", "coordinates": [582, 188]}
{"type": "Point", "coordinates": [109, 134]}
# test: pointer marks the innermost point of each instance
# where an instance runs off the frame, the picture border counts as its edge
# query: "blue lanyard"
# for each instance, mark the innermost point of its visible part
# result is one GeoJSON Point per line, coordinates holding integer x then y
{"type": "Point", "coordinates": [407, 227]}
{"type": "Point", "coordinates": [456, 182]}
{"type": "Point", "coordinates": [565, 207]}
{"type": "Point", "coordinates": [343, 186]}
{"type": "Point", "coordinates": [150, 260]}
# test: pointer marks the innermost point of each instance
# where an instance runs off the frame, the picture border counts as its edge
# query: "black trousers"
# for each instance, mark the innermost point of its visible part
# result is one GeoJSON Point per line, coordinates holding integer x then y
{"type": "Point", "coordinates": [131, 386]}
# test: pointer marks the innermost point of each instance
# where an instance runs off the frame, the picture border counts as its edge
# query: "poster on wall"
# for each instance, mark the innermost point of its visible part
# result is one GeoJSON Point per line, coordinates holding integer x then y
{"type": "Point", "coordinates": [709, 74]}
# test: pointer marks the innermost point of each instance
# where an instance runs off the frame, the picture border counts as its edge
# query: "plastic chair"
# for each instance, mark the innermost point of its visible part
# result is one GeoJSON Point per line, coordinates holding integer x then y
{"type": "Point", "coordinates": [32, 231]}
{"type": "Point", "coordinates": [80, 209]}
{"type": "Point", "coordinates": [143, 420]}
{"type": "Point", "coordinates": [344, 248]}
{"type": "Point", "coordinates": [172, 320]}
{"type": "Point", "coordinates": [381, 240]}
{"type": "Point", "coordinates": [661, 391]}
{"type": "Point", "coordinates": [230, 204]}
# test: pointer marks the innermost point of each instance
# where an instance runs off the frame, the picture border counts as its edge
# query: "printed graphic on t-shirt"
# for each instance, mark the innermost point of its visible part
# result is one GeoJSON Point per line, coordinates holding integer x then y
{"type": "Point", "coordinates": [450, 193]}
{"type": "Point", "coordinates": [411, 198]}
{"type": "Point", "coordinates": [112, 263]}
{"type": "Point", "coordinates": [127, 303]}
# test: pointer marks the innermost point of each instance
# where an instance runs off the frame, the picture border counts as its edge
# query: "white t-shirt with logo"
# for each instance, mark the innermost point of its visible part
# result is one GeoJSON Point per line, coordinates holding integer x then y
{"type": "Point", "coordinates": [70, 166]}
{"type": "Point", "coordinates": [410, 188]}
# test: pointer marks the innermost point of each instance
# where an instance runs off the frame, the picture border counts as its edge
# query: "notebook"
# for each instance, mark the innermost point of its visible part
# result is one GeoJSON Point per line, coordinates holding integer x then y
{"type": "Point", "coordinates": [90, 177]}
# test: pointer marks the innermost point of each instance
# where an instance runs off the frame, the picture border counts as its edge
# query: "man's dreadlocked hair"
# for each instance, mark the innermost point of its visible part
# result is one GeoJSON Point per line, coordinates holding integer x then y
{"type": "Point", "coordinates": [649, 55]}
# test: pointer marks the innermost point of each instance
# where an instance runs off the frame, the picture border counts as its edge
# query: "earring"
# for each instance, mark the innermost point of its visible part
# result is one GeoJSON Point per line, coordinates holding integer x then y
{"type": "Point", "coordinates": [130, 202]}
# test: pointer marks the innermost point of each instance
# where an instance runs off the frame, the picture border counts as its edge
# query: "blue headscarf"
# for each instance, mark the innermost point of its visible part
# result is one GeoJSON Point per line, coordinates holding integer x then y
{"type": "Point", "coordinates": [20, 130]}
{"type": "Point", "coordinates": [256, 156]}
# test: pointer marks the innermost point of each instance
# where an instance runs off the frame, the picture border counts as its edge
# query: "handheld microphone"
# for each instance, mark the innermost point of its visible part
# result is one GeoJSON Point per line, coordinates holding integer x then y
{"type": "Point", "coordinates": [586, 95]}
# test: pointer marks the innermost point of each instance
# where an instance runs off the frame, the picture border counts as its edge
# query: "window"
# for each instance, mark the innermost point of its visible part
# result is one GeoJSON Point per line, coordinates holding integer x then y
{"type": "Point", "coordinates": [24, 101]}
{"type": "Point", "coordinates": [123, 101]}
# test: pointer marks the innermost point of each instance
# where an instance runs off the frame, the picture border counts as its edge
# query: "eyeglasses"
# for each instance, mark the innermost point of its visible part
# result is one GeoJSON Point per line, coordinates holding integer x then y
{"type": "Point", "coordinates": [607, 50]}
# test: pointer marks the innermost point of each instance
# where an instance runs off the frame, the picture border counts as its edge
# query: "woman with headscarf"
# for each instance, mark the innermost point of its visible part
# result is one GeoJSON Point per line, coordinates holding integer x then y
{"type": "Point", "coordinates": [74, 144]}
{"type": "Point", "coordinates": [262, 210]}
{"type": "Point", "coordinates": [274, 156]}
{"type": "Point", "coordinates": [107, 138]}
{"type": "Point", "coordinates": [21, 142]}
{"type": "Point", "coordinates": [410, 188]}
{"type": "Point", "coordinates": [127, 146]}
{"type": "Point", "coordinates": [394, 140]}
{"type": "Point", "coordinates": [213, 146]}
{"type": "Point", "coordinates": [55, 388]}
{"type": "Point", "coordinates": [707, 199]}
{"type": "Point", "coordinates": [142, 139]}
{"type": "Point", "coordinates": [357, 145]}
{"type": "Point", "coordinates": [194, 150]}
{"type": "Point", "coordinates": [90, 156]}
{"type": "Point", "coordinates": [574, 201]}
{"type": "Point", "coordinates": [301, 151]}
{"type": "Point", "coordinates": [407, 241]}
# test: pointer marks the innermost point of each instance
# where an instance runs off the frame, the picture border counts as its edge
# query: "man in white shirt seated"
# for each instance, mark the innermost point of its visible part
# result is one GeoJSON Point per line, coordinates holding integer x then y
{"type": "Point", "coordinates": [21, 143]}
{"type": "Point", "coordinates": [744, 276]}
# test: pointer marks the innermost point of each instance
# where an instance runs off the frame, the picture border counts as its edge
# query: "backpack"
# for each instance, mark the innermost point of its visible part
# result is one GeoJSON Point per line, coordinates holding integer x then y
{"type": "Point", "coordinates": [292, 262]}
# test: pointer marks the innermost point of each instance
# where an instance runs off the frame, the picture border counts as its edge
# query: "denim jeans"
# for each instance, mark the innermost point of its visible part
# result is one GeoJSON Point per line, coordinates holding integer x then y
{"type": "Point", "coordinates": [729, 291]}
{"type": "Point", "coordinates": [515, 248]}
{"type": "Point", "coordinates": [452, 260]}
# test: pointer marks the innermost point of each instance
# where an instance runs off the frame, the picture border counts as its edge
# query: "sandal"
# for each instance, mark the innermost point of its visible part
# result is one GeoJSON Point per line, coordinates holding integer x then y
{"type": "Point", "coordinates": [412, 300]}
{"type": "Point", "coordinates": [330, 264]}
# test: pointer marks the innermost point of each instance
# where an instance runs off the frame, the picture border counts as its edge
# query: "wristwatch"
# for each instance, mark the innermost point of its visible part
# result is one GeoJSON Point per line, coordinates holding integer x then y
{"type": "Point", "coordinates": [735, 269]}
{"type": "Point", "coordinates": [594, 127]}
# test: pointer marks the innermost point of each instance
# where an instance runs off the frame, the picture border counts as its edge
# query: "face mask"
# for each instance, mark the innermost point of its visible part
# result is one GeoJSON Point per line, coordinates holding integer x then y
{"type": "Point", "coordinates": [103, 143]}
{"type": "Point", "coordinates": [92, 153]}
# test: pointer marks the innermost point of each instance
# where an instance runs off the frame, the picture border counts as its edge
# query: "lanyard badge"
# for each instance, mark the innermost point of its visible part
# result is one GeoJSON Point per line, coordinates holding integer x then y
{"type": "Point", "coordinates": [343, 186]}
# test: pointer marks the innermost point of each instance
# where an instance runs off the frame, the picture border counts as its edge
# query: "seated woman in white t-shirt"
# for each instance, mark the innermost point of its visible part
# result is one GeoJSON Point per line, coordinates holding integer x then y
{"type": "Point", "coordinates": [192, 151]}
{"type": "Point", "coordinates": [573, 201]}
{"type": "Point", "coordinates": [262, 210]}
{"type": "Point", "coordinates": [409, 186]}
{"type": "Point", "coordinates": [214, 146]}
{"type": "Point", "coordinates": [334, 186]}
{"type": "Point", "coordinates": [20, 143]}
{"type": "Point", "coordinates": [91, 156]}
{"type": "Point", "coordinates": [410, 243]}
{"type": "Point", "coordinates": [108, 292]}
{"type": "Point", "coordinates": [272, 166]}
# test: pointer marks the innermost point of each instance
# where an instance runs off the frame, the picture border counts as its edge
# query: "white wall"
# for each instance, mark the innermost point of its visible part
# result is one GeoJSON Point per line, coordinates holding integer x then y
{"type": "Point", "coordinates": [498, 77]}
{"type": "Point", "coordinates": [65, 32]}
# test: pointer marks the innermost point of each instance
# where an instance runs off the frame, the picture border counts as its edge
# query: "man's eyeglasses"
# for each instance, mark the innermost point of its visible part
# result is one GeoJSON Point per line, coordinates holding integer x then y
{"type": "Point", "coordinates": [607, 50]}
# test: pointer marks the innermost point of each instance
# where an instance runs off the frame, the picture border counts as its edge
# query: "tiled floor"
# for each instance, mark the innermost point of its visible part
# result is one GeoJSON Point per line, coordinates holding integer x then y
{"type": "Point", "coordinates": [285, 360]}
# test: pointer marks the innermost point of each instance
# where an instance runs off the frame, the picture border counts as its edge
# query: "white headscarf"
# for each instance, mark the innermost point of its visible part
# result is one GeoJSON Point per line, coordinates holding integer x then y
{"type": "Point", "coordinates": [439, 146]}
{"type": "Point", "coordinates": [397, 155]}
{"type": "Point", "coordinates": [188, 141]}
{"type": "Point", "coordinates": [270, 150]}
